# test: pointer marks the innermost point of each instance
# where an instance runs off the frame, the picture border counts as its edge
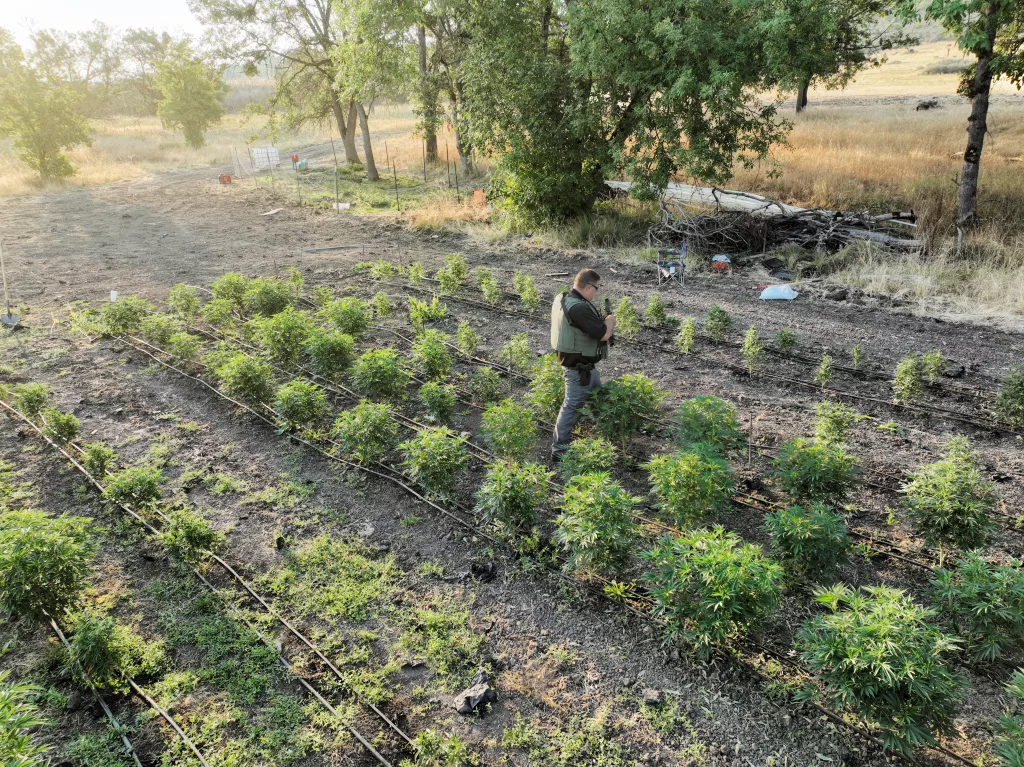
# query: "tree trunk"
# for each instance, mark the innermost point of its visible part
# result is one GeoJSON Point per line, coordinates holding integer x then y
{"type": "Point", "coordinates": [545, 29]}
{"type": "Point", "coordinates": [364, 126]}
{"type": "Point", "coordinates": [428, 97]}
{"type": "Point", "coordinates": [977, 123]}
{"type": "Point", "coordinates": [351, 156]}
{"type": "Point", "coordinates": [462, 143]}
{"type": "Point", "coordinates": [347, 139]}
{"type": "Point", "coordinates": [801, 96]}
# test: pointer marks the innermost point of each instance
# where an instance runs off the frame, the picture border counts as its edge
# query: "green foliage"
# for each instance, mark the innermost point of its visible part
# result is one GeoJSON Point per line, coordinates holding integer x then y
{"type": "Point", "coordinates": [439, 399]}
{"type": "Point", "coordinates": [98, 459]}
{"type": "Point", "coordinates": [511, 495]}
{"type": "Point", "coordinates": [189, 538]}
{"type": "Point", "coordinates": [382, 374]}
{"type": "Point", "coordinates": [753, 350]}
{"type": "Point", "coordinates": [284, 335]}
{"type": "Point", "coordinates": [415, 273]}
{"type": "Point", "coordinates": [547, 388]}
{"type": "Point", "coordinates": [124, 315]}
{"type": "Point", "coordinates": [135, 486]}
{"type": "Point", "coordinates": [691, 485]}
{"type": "Point", "coordinates": [382, 305]}
{"type": "Point", "coordinates": [351, 316]}
{"type": "Point", "coordinates": [833, 422]}
{"type": "Point", "coordinates": [882, 657]}
{"type": "Point", "coordinates": [378, 270]}
{"type": "Point", "coordinates": [44, 562]}
{"type": "Point", "coordinates": [31, 398]}
{"type": "Point", "coordinates": [488, 285]}
{"type": "Point", "coordinates": [300, 404]}
{"type": "Point", "coordinates": [330, 352]}
{"type": "Point", "coordinates": [785, 340]}
{"type": "Point", "coordinates": [421, 313]}
{"type": "Point", "coordinates": [467, 340]}
{"type": "Point", "coordinates": [717, 323]}
{"type": "Point", "coordinates": [485, 386]}
{"type": "Point", "coordinates": [453, 274]}
{"type": "Point", "coordinates": [268, 296]}
{"type": "Point", "coordinates": [432, 750]}
{"type": "Point", "coordinates": [158, 329]}
{"type": "Point", "coordinates": [949, 501]}
{"type": "Point", "coordinates": [656, 312]}
{"type": "Point", "coordinates": [591, 455]}
{"type": "Point", "coordinates": [509, 430]}
{"type": "Point", "coordinates": [430, 354]}
{"type": "Point", "coordinates": [624, 406]}
{"type": "Point", "coordinates": [596, 527]}
{"type": "Point", "coordinates": [1009, 745]}
{"type": "Point", "coordinates": [183, 300]}
{"type": "Point", "coordinates": [709, 421]}
{"type": "Point", "coordinates": [1009, 404]}
{"type": "Point", "coordinates": [984, 601]}
{"type": "Point", "coordinates": [184, 346]}
{"type": "Point", "coordinates": [710, 586]}
{"type": "Point", "coordinates": [366, 432]}
{"type": "Point", "coordinates": [908, 380]}
{"type": "Point", "coordinates": [220, 313]}
{"type": "Point", "coordinates": [246, 378]}
{"type": "Point", "coordinates": [108, 652]}
{"type": "Point", "coordinates": [518, 354]}
{"type": "Point", "coordinates": [856, 357]}
{"type": "Point", "coordinates": [191, 93]}
{"type": "Point", "coordinates": [932, 366]}
{"type": "Point", "coordinates": [813, 472]}
{"type": "Point", "coordinates": [686, 339]}
{"type": "Point", "coordinates": [810, 541]}
{"type": "Point", "coordinates": [18, 717]}
{"type": "Point", "coordinates": [434, 458]}
{"type": "Point", "coordinates": [825, 371]}
{"type": "Point", "coordinates": [60, 426]}
{"type": "Point", "coordinates": [627, 320]}
{"type": "Point", "coordinates": [526, 288]}
{"type": "Point", "coordinates": [231, 286]}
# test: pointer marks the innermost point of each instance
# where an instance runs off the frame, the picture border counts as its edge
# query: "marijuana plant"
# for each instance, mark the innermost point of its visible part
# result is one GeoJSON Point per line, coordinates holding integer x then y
{"type": "Point", "coordinates": [60, 426]}
{"type": "Point", "coordinates": [300, 404]}
{"type": "Point", "coordinates": [624, 406]}
{"type": "Point", "coordinates": [283, 335]}
{"type": "Point", "coordinates": [687, 337]}
{"type": "Point", "coordinates": [932, 366]}
{"type": "Point", "coordinates": [330, 352]}
{"type": "Point", "coordinates": [246, 378]}
{"type": "Point", "coordinates": [785, 340]}
{"type": "Point", "coordinates": [349, 315]}
{"type": "Point", "coordinates": [656, 312]}
{"type": "Point", "coordinates": [421, 313]}
{"type": "Point", "coordinates": [381, 374]}
{"type": "Point", "coordinates": [488, 285]}
{"type": "Point", "coordinates": [124, 315]}
{"type": "Point", "coordinates": [190, 539]}
{"type": "Point", "coordinates": [183, 301]}
{"type": "Point", "coordinates": [717, 323]}
{"type": "Point", "coordinates": [753, 350]}
{"type": "Point", "coordinates": [485, 386]}
{"type": "Point", "coordinates": [382, 305]}
{"type": "Point", "coordinates": [511, 496]}
{"type": "Point", "coordinates": [366, 432]}
{"type": "Point", "coordinates": [833, 422]}
{"type": "Point", "coordinates": [591, 455]}
{"type": "Point", "coordinates": [439, 400]}
{"type": "Point", "coordinates": [811, 472]}
{"type": "Point", "coordinates": [453, 274]}
{"type": "Point", "coordinates": [509, 430]}
{"type": "Point", "coordinates": [596, 527]}
{"type": "Point", "coordinates": [825, 371]}
{"type": "Point", "coordinates": [1009, 404]}
{"type": "Point", "coordinates": [908, 380]}
{"type": "Point", "coordinates": [547, 388]}
{"type": "Point", "coordinates": [467, 339]}
{"type": "Point", "coordinates": [709, 421]}
{"type": "Point", "coordinates": [97, 460]}
{"type": "Point", "coordinates": [526, 289]}
{"type": "Point", "coordinates": [627, 320]}
{"type": "Point", "coordinates": [691, 485]}
{"type": "Point", "coordinates": [810, 541]}
{"type": "Point", "coordinates": [435, 458]}
{"type": "Point", "coordinates": [430, 355]}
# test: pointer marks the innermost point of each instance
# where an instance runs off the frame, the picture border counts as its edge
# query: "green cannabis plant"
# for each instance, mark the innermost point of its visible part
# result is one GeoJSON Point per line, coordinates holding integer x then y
{"type": "Point", "coordinates": [589, 455]}
{"type": "Point", "coordinates": [435, 458]}
{"type": "Point", "coordinates": [190, 539]}
{"type": "Point", "coordinates": [485, 386]}
{"type": "Point", "coordinates": [300, 404]}
{"type": "Point", "coordinates": [825, 371]}
{"type": "Point", "coordinates": [349, 315]}
{"type": "Point", "coordinates": [526, 288]}
{"type": "Point", "coordinates": [709, 421]}
{"type": "Point", "coordinates": [381, 374]}
{"type": "Point", "coordinates": [717, 323]}
{"type": "Point", "coordinates": [183, 301]}
{"type": "Point", "coordinates": [467, 339]}
{"type": "Point", "coordinates": [430, 355]}
{"type": "Point", "coordinates": [811, 541]}
{"type": "Point", "coordinates": [785, 340]}
{"type": "Point", "coordinates": [596, 528]}
{"type": "Point", "coordinates": [135, 486]}
{"type": "Point", "coordinates": [1009, 404]}
{"type": "Point", "coordinates": [124, 315]}
{"type": "Point", "coordinates": [488, 286]}
{"type": "Point", "coordinates": [283, 335]}
{"type": "Point", "coordinates": [656, 312]}
{"type": "Point", "coordinates": [512, 495]}
{"type": "Point", "coordinates": [31, 398]}
{"type": "Point", "coordinates": [692, 485]}
{"type": "Point", "coordinates": [158, 329]}
{"type": "Point", "coordinates": [382, 306]}
{"type": "Point", "coordinates": [61, 427]}
{"type": "Point", "coordinates": [97, 460]}
{"type": "Point", "coordinates": [547, 388]}
{"type": "Point", "coordinates": [624, 406]}
{"type": "Point", "coordinates": [246, 378]}
{"type": "Point", "coordinates": [367, 432]}
{"type": "Point", "coordinates": [1009, 742]}
{"type": "Point", "coordinates": [856, 357]}
{"type": "Point", "coordinates": [753, 350]}
{"type": "Point", "coordinates": [422, 314]}
{"type": "Point", "coordinates": [108, 652]}
{"type": "Point", "coordinates": [184, 347]}
{"type": "Point", "coordinates": [518, 354]}
{"type": "Point", "coordinates": [267, 296]}
{"type": "Point", "coordinates": [509, 430]}
{"type": "Point", "coordinates": [330, 352]}
{"type": "Point", "coordinates": [833, 422]}
{"type": "Point", "coordinates": [933, 364]}
{"type": "Point", "coordinates": [627, 320]}
{"type": "Point", "coordinates": [453, 274]}
{"type": "Point", "coordinates": [686, 339]}
{"type": "Point", "coordinates": [416, 273]}
{"type": "Point", "coordinates": [439, 400]}
{"type": "Point", "coordinates": [908, 380]}
{"type": "Point", "coordinates": [812, 472]}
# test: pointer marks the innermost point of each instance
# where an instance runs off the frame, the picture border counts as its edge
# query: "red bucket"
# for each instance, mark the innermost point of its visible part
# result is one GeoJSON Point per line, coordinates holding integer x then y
{"type": "Point", "coordinates": [225, 179]}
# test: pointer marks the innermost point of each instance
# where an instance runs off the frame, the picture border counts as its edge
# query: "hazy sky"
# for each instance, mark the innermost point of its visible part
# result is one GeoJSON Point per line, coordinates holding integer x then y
{"type": "Point", "coordinates": [74, 15]}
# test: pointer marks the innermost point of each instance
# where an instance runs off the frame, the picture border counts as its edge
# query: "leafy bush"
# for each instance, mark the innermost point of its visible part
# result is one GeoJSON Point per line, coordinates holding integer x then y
{"type": "Point", "coordinates": [687, 337]}
{"type": "Point", "coordinates": [378, 270]}
{"type": "Point", "coordinates": [330, 352]}
{"type": "Point", "coordinates": [184, 346]}
{"type": "Point", "coordinates": [430, 354]}
{"type": "Point", "coordinates": [932, 366]}
{"type": "Point", "coordinates": [439, 399]}
{"type": "Point", "coordinates": [284, 335]}
{"type": "Point", "coordinates": [246, 378]}
{"type": "Point", "coordinates": [124, 315]}
{"type": "Point", "coordinates": [717, 323]}
{"type": "Point", "coordinates": [189, 538]}
{"type": "Point", "coordinates": [467, 340]}
{"type": "Point", "coordinates": [1009, 745]}
{"type": "Point", "coordinates": [18, 717]}
{"type": "Point", "coordinates": [587, 456]}
{"type": "Point", "coordinates": [231, 287]}
{"type": "Point", "coordinates": [623, 406]}
{"type": "Point", "coordinates": [183, 300]}
{"type": "Point", "coordinates": [382, 305]}
{"type": "Point", "coordinates": [44, 562]}
{"type": "Point", "coordinates": [883, 658]}
{"type": "Point", "coordinates": [31, 398]}
{"type": "Point", "coordinates": [511, 495]}
{"type": "Point", "coordinates": [596, 527]}
{"type": "Point", "coordinates": [785, 340]}
{"type": "Point", "coordinates": [220, 313]}
{"type": "Point", "coordinates": [526, 288]}
{"type": "Point", "coordinates": [949, 501]}
{"type": "Point", "coordinates": [753, 350]}
{"type": "Point", "coordinates": [435, 458]}
{"type": "Point", "coordinates": [98, 459]}
{"type": "Point", "coordinates": [60, 426]}
{"type": "Point", "coordinates": [627, 320]}
{"type": "Point", "coordinates": [547, 388]}
{"type": "Point", "coordinates": [349, 315]}
{"type": "Point", "coordinates": [691, 484]}
{"type": "Point", "coordinates": [415, 273]}
{"type": "Point", "coordinates": [421, 313]}
{"type": "Point", "coordinates": [825, 371]}
{"type": "Point", "coordinates": [833, 422]}
{"type": "Point", "coordinates": [810, 541]}
{"type": "Point", "coordinates": [109, 652]}
{"type": "Point", "coordinates": [485, 386]}
{"type": "Point", "coordinates": [453, 274]}
{"type": "Point", "coordinates": [134, 486]}
{"type": "Point", "coordinates": [518, 354]}
{"type": "Point", "coordinates": [709, 421]}
{"type": "Point", "coordinates": [710, 585]}
{"type": "Point", "coordinates": [509, 430]}
{"type": "Point", "coordinates": [811, 472]}
{"type": "Point", "coordinates": [268, 296]}
{"type": "Point", "coordinates": [488, 285]}
{"type": "Point", "coordinates": [656, 312]}
{"type": "Point", "coordinates": [908, 380]}
{"type": "Point", "coordinates": [382, 374]}
{"type": "Point", "coordinates": [158, 329]}
{"type": "Point", "coordinates": [300, 404]}
{"type": "Point", "coordinates": [366, 432]}
{"type": "Point", "coordinates": [1009, 405]}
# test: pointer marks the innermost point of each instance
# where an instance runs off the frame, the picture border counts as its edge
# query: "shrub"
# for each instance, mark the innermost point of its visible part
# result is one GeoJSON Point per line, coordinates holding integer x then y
{"type": "Point", "coordinates": [1009, 744]}
{"type": "Point", "coordinates": [785, 340]}
{"type": "Point", "coordinates": [421, 313]}
{"type": "Point", "coordinates": [518, 354]}
{"type": "Point", "coordinates": [687, 337]}
{"type": "Point", "coordinates": [31, 398]}
{"type": "Point", "coordinates": [330, 352]}
{"type": "Point", "coordinates": [18, 718]}
{"type": "Point", "coordinates": [856, 357]}
{"type": "Point", "coordinates": [753, 350]}
{"type": "Point", "coordinates": [351, 316]}
{"type": "Point", "coordinates": [591, 455]}
{"type": "Point", "coordinates": [932, 366]}
{"type": "Point", "coordinates": [908, 380]}
{"type": "Point", "coordinates": [810, 541]}
{"type": "Point", "coordinates": [158, 329]}
{"type": "Point", "coordinates": [485, 386]}
{"type": "Point", "coordinates": [246, 378]}
{"type": "Point", "coordinates": [1009, 405]}
{"type": "Point", "coordinates": [44, 562]}
{"type": "Point", "coordinates": [366, 432]}
{"type": "Point", "coordinates": [833, 422]}
{"type": "Point", "coordinates": [439, 399]}
{"type": "Point", "coordinates": [430, 354]}
{"type": "Point", "coordinates": [268, 296]}
{"type": "Point", "coordinates": [526, 289]}
{"type": "Point", "coordinates": [488, 285]}
{"type": "Point", "coordinates": [949, 501]}
{"type": "Point", "coordinates": [627, 321]}
{"type": "Point", "coordinates": [883, 658]}
{"type": "Point", "coordinates": [378, 270]}
{"type": "Point", "coordinates": [453, 274]}
{"type": "Point", "coordinates": [435, 458]}
{"type": "Point", "coordinates": [709, 421]}
{"type": "Point", "coordinates": [134, 486]}
{"type": "Point", "coordinates": [717, 323]}
{"type": "Point", "coordinates": [124, 315]}
{"type": "Point", "coordinates": [596, 527]}
{"type": "Point", "coordinates": [60, 426]}
{"type": "Point", "coordinates": [415, 273]}
{"type": "Point", "coordinates": [691, 484]}
{"type": "Point", "coordinates": [109, 652]}
{"type": "Point", "coordinates": [811, 472]}
{"type": "Point", "coordinates": [509, 429]}
{"type": "Point", "coordinates": [231, 287]}
{"type": "Point", "coordinates": [825, 371]}
{"type": "Point", "coordinates": [656, 312]}
{"type": "Point", "coordinates": [382, 305]}
{"type": "Point", "coordinates": [381, 374]}
{"type": "Point", "coordinates": [184, 346]}
{"type": "Point", "coordinates": [467, 340]}
{"type": "Point", "coordinates": [300, 404]}
{"type": "Point", "coordinates": [189, 538]}
{"type": "Point", "coordinates": [547, 388]}
{"type": "Point", "coordinates": [624, 406]}
{"type": "Point", "coordinates": [220, 313]}
{"type": "Point", "coordinates": [98, 459]}
{"type": "Point", "coordinates": [284, 335]}
{"type": "Point", "coordinates": [511, 496]}
{"type": "Point", "coordinates": [710, 585]}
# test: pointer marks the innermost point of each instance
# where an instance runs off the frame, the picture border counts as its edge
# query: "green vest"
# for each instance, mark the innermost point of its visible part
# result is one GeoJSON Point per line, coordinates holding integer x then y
{"type": "Point", "coordinates": [568, 339]}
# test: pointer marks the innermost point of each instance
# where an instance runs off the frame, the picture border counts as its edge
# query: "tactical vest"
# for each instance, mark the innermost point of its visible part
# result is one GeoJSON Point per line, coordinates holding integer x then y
{"type": "Point", "coordinates": [567, 338]}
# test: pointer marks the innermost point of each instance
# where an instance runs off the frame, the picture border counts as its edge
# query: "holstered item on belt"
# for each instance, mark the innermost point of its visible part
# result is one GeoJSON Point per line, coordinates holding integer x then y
{"type": "Point", "coordinates": [584, 369]}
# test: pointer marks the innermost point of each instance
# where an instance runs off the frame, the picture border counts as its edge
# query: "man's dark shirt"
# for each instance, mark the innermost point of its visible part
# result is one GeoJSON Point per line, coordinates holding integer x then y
{"type": "Point", "coordinates": [586, 318]}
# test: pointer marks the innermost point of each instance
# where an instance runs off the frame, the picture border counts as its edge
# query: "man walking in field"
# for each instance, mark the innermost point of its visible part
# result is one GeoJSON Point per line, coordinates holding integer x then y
{"type": "Point", "coordinates": [579, 335]}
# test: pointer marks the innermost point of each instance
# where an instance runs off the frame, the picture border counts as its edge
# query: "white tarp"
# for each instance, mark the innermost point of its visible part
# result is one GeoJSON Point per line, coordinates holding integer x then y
{"type": "Point", "coordinates": [265, 157]}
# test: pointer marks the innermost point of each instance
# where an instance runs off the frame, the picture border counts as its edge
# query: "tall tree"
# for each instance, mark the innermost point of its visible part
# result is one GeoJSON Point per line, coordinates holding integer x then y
{"type": "Point", "coordinates": [191, 93]}
{"type": "Point", "coordinates": [141, 51]}
{"type": "Point", "coordinates": [88, 61]}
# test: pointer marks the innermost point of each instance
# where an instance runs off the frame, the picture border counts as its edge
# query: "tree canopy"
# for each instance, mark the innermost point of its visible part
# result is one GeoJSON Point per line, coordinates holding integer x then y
{"type": "Point", "coordinates": [191, 93]}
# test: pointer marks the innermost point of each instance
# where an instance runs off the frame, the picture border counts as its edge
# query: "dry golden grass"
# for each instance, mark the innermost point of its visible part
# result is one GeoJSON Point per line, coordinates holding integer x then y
{"type": "Point", "coordinates": [443, 214]}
